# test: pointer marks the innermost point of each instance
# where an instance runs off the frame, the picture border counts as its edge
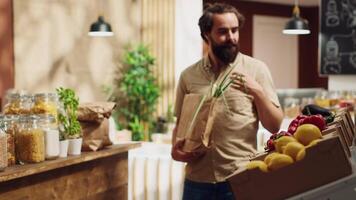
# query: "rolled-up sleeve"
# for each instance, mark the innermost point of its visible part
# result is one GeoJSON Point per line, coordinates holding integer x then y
{"type": "Point", "coordinates": [264, 78]}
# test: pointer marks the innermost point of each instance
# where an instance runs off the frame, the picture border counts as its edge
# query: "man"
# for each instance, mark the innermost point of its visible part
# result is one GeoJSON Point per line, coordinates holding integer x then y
{"type": "Point", "coordinates": [251, 97]}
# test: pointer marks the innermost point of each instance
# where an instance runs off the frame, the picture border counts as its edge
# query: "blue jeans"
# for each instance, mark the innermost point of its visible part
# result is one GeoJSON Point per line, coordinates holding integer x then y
{"type": "Point", "coordinates": [207, 191]}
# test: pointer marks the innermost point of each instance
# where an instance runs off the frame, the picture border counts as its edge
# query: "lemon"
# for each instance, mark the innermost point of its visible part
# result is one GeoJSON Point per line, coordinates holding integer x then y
{"type": "Point", "coordinates": [279, 161]}
{"type": "Point", "coordinates": [312, 143]}
{"type": "Point", "coordinates": [300, 155]}
{"type": "Point", "coordinates": [306, 133]}
{"type": "Point", "coordinates": [292, 149]}
{"type": "Point", "coordinates": [269, 157]}
{"type": "Point", "coordinates": [257, 164]}
{"type": "Point", "coordinates": [281, 142]}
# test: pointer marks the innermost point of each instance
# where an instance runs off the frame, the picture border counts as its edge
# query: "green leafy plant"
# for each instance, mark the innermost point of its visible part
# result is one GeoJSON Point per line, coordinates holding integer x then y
{"type": "Point", "coordinates": [170, 114]}
{"type": "Point", "coordinates": [136, 128]}
{"type": "Point", "coordinates": [67, 118]}
{"type": "Point", "coordinates": [138, 91]}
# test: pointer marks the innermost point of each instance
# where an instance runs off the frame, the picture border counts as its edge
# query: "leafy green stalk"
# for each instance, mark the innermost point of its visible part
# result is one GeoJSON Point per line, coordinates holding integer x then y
{"type": "Point", "coordinates": [223, 85]}
{"type": "Point", "coordinates": [196, 113]}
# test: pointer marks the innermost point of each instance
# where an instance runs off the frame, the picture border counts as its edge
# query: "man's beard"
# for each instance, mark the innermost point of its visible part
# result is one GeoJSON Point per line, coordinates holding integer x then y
{"type": "Point", "coordinates": [226, 52]}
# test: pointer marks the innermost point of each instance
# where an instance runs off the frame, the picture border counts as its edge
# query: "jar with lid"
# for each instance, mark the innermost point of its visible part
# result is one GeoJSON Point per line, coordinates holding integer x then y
{"type": "Point", "coordinates": [11, 122]}
{"type": "Point", "coordinates": [45, 103]}
{"type": "Point", "coordinates": [3, 145]}
{"type": "Point", "coordinates": [18, 104]}
{"type": "Point", "coordinates": [51, 135]}
{"type": "Point", "coordinates": [29, 141]}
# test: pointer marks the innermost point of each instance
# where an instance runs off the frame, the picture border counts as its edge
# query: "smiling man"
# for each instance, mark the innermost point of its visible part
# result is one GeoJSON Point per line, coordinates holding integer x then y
{"type": "Point", "coordinates": [251, 98]}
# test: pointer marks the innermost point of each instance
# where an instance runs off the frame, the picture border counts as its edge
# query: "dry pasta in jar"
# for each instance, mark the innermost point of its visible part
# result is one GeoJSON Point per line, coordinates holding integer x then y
{"type": "Point", "coordinates": [3, 146]}
{"type": "Point", "coordinates": [18, 104]}
{"type": "Point", "coordinates": [10, 122]}
{"type": "Point", "coordinates": [30, 141]}
{"type": "Point", "coordinates": [45, 103]}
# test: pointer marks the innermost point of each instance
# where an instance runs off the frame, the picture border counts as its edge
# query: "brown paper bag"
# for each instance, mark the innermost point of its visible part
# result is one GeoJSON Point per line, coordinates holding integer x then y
{"type": "Point", "coordinates": [93, 118]}
{"type": "Point", "coordinates": [196, 122]}
{"type": "Point", "coordinates": [95, 111]}
{"type": "Point", "coordinates": [95, 135]}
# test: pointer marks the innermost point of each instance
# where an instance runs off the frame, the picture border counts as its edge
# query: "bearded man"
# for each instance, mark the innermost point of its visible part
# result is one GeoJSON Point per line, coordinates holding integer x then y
{"type": "Point", "coordinates": [251, 98]}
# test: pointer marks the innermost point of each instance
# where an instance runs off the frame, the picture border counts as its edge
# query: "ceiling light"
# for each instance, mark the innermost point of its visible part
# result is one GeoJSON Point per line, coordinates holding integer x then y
{"type": "Point", "coordinates": [296, 25]}
{"type": "Point", "coordinates": [100, 28]}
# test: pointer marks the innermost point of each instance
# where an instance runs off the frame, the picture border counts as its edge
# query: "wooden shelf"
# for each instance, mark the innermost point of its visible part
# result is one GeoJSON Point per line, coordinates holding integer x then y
{"type": "Point", "coordinates": [19, 171]}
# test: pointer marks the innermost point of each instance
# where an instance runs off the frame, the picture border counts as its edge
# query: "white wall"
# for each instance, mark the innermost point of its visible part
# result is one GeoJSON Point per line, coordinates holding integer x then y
{"type": "Point", "coordinates": [278, 51]}
{"type": "Point", "coordinates": [340, 82]}
{"type": "Point", "coordinates": [188, 44]}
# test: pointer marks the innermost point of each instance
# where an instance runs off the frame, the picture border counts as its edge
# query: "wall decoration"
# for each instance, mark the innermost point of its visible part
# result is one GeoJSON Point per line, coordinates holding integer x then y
{"type": "Point", "coordinates": [337, 37]}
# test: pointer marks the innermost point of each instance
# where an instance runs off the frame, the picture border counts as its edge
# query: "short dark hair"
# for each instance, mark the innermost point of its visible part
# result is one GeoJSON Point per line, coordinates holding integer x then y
{"type": "Point", "coordinates": [206, 20]}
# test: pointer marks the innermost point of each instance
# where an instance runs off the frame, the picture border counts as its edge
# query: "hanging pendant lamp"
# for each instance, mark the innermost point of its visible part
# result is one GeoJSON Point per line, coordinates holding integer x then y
{"type": "Point", "coordinates": [296, 25]}
{"type": "Point", "coordinates": [100, 28]}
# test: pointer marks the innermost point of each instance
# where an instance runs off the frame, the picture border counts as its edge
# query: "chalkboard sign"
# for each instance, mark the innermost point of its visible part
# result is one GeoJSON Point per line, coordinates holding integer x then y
{"type": "Point", "coordinates": [338, 37]}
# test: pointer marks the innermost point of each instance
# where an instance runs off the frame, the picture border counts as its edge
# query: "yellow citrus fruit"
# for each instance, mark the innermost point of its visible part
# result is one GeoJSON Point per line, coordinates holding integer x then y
{"type": "Point", "coordinates": [269, 157]}
{"type": "Point", "coordinates": [307, 133]}
{"type": "Point", "coordinates": [257, 164]}
{"type": "Point", "coordinates": [300, 155]}
{"type": "Point", "coordinates": [312, 143]}
{"type": "Point", "coordinates": [279, 161]}
{"type": "Point", "coordinates": [281, 142]}
{"type": "Point", "coordinates": [292, 149]}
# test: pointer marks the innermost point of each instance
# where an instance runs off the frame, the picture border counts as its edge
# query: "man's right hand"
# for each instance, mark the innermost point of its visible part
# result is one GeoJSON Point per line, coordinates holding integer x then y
{"type": "Point", "coordinates": [179, 155]}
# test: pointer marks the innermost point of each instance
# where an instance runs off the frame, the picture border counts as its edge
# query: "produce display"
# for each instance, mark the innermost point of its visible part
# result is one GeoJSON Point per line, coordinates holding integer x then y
{"type": "Point", "coordinates": [312, 109]}
{"type": "Point", "coordinates": [287, 147]}
{"type": "Point", "coordinates": [30, 145]}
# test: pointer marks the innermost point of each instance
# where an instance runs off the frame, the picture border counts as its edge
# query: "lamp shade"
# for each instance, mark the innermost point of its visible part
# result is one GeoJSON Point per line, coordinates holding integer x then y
{"type": "Point", "coordinates": [100, 28]}
{"type": "Point", "coordinates": [297, 26]}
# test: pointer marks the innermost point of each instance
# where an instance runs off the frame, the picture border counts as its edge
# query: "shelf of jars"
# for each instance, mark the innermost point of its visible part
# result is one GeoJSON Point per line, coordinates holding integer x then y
{"type": "Point", "coordinates": [30, 137]}
{"type": "Point", "coordinates": [29, 129]}
{"type": "Point", "coordinates": [332, 100]}
{"type": "Point", "coordinates": [18, 171]}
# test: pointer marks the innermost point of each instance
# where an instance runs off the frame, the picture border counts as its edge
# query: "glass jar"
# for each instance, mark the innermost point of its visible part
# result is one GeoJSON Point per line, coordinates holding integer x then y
{"type": "Point", "coordinates": [334, 97]}
{"type": "Point", "coordinates": [29, 141]}
{"type": "Point", "coordinates": [291, 107]}
{"type": "Point", "coordinates": [321, 99]}
{"type": "Point", "coordinates": [46, 103]}
{"type": "Point", "coordinates": [347, 101]}
{"type": "Point", "coordinates": [51, 136]}
{"type": "Point", "coordinates": [18, 104]}
{"type": "Point", "coordinates": [11, 122]}
{"type": "Point", "coordinates": [3, 145]}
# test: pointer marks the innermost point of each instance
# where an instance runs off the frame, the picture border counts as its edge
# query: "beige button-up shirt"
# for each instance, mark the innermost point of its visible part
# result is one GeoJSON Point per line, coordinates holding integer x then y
{"type": "Point", "coordinates": [234, 133]}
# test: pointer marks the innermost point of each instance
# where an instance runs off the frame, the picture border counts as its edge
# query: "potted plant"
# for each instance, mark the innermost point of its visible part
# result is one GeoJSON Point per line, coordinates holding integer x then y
{"type": "Point", "coordinates": [63, 143]}
{"type": "Point", "coordinates": [68, 121]}
{"type": "Point", "coordinates": [137, 92]}
{"type": "Point", "coordinates": [171, 121]}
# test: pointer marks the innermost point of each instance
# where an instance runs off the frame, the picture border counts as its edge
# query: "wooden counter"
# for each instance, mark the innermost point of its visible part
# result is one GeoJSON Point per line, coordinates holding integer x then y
{"type": "Point", "coordinates": [91, 175]}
